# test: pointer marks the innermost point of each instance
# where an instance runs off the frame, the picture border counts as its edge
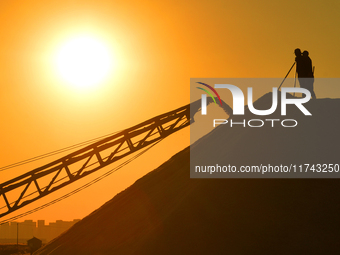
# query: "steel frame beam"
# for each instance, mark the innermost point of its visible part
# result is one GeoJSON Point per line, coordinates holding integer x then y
{"type": "Point", "coordinates": [118, 145]}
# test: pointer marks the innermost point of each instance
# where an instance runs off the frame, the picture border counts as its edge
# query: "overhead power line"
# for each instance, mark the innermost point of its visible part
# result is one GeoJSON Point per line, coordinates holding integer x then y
{"type": "Point", "coordinates": [52, 153]}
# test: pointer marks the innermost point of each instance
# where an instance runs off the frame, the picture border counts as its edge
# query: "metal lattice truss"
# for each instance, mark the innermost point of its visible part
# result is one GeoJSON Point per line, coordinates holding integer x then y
{"type": "Point", "coordinates": [44, 180]}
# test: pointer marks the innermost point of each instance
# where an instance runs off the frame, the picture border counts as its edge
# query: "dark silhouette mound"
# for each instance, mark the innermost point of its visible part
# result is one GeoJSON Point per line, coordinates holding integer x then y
{"type": "Point", "coordinates": [166, 212]}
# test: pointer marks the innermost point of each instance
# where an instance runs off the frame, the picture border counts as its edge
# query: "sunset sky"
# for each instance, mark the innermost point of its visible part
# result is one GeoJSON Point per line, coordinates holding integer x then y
{"type": "Point", "coordinates": [154, 48]}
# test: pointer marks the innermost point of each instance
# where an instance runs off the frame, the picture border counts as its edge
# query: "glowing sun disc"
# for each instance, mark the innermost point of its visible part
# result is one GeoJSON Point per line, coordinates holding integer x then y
{"type": "Point", "coordinates": [83, 61]}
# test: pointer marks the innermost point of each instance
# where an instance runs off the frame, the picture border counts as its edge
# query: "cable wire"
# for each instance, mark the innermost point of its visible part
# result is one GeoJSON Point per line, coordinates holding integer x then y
{"type": "Point", "coordinates": [23, 162]}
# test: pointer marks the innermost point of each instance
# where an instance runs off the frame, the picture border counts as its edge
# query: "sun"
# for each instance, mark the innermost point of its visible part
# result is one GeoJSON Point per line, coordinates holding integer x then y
{"type": "Point", "coordinates": [84, 61]}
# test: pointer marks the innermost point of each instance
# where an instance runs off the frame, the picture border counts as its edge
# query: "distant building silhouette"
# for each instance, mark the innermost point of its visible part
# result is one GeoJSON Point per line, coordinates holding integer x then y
{"type": "Point", "coordinates": [34, 244]}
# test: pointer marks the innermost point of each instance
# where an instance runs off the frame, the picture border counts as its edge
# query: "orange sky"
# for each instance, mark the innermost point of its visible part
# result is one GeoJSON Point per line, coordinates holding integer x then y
{"type": "Point", "coordinates": [159, 46]}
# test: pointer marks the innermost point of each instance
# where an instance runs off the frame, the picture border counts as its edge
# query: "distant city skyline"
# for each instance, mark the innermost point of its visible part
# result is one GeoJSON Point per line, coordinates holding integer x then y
{"type": "Point", "coordinates": [29, 229]}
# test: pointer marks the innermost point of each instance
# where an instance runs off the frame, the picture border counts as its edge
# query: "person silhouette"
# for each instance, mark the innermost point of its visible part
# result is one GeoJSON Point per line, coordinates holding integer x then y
{"type": "Point", "coordinates": [308, 73]}
{"type": "Point", "coordinates": [299, 61]}
{"type": "Point", "coordinates": [308, 70]}
{"type": "Point", "coordinates": [305, 71]}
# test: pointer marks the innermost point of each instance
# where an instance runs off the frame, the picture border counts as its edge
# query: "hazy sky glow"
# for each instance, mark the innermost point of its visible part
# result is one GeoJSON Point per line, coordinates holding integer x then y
{"type": "Point", "coordinates": [157, 46]}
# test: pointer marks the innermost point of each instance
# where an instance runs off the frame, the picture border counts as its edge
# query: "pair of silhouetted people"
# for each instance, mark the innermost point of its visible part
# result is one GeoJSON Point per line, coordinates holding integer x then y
{"type": "Point", "coordinates": [304, 70]}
